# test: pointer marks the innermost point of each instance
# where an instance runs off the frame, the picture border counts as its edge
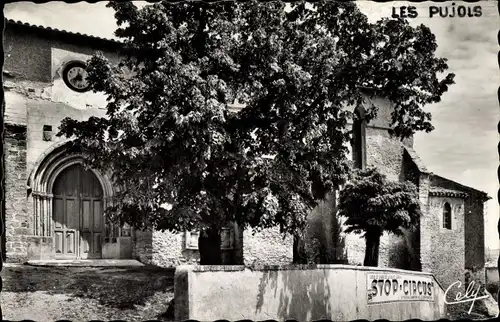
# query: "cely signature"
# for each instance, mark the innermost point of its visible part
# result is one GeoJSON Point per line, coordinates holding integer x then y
{"type": "Point", "coordinates": [470, 295]}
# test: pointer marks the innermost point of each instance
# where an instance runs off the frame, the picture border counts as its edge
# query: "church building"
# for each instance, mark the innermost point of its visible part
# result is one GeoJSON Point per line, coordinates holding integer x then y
{"type": "Point", "coordinates": [54, 207]}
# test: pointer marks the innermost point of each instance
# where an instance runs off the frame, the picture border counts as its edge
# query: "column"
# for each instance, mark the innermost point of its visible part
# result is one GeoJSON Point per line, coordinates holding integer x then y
{"type": "Point", "coordinates": [48, 215]}
{"type": "Point", "coordinates": [36, 219]}
{"type": "Point", "coordinates": [42, 211]}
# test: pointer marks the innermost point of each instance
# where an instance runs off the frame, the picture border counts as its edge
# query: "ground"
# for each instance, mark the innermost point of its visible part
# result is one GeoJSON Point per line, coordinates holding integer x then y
{"type": "Point", "coordinates": [102, 293]}
{"type": "Point", "coordinates": [86, 293]}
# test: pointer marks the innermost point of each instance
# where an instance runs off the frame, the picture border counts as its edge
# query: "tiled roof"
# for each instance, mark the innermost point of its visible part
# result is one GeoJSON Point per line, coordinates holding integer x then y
{"type": "Point", "coordinates": [416, 159]}
{"type": "Point", "coordinates": [436, 190]}
{"type": "Point", "coordinates": [436, 179]}
{"type": "Point", "coordinates": [442, 192]}
{"type": "Point", "coordinates": [59, 31]}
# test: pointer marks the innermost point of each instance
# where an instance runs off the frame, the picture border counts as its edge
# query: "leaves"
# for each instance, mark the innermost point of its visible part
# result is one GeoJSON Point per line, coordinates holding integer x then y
{"type": "Point", "coordinates": [372, 204]}
{"type": "Point", "coordinates": [168, 137]}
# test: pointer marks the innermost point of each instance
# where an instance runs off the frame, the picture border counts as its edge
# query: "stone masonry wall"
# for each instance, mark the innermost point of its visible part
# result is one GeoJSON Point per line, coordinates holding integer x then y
{"type": "Point", "coordinates": [447, 257]}
{"type": "Point", "coordinates": [474, 236]}
{"type": "Point", "coordinates": [425, 223]}
{"type": "Point", "coordinates": [142, 246]}
{"type": "Point", "coordinates": [474, 224]}
{"type": "Point", "coordinates": [321, 233]}
{"type": "Point", "coordinates": [34, 97]}
{"type": "Point", "coordinates": [386, 154]}
{"type": "Point", "coordinates": [17, 225]}
{"type": "Point", "coordinates": [267, 247]}
{"type": "Point", "coordinates": [169, 250]}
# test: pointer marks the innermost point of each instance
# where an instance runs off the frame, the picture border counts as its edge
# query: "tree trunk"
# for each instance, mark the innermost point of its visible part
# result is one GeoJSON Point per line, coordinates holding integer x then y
{"type": "Point", "coordinates": [298, 250]}
{"type": "Point", "coordinates": [372, 239]}
{"type": "Point", "coordinates": [209, 245]}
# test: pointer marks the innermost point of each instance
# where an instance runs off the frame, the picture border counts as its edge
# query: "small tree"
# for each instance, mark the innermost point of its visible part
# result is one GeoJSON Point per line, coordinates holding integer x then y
{"type": "Point", "coordinates": [184, 162]}
{"type": "Point", "coordinates": [372, 204]}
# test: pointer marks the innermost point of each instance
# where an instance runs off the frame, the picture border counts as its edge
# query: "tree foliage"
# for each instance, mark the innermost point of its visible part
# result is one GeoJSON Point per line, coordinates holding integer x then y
{"type": "Point", "coordinates": [169, 138]}
{"type": "Point", "coordinates": [372, 205]}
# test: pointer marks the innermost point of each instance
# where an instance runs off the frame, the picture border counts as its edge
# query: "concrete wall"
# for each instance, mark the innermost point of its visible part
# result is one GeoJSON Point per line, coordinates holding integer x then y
{"type": "Point", "coordinates": [303, 293]}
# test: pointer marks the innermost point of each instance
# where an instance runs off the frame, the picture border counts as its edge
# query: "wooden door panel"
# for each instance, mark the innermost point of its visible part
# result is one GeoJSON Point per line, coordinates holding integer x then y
{"type": "Point", "coordinates": [97, 244]}
{"type": "Point", "coordinates": [58, 213]}
{"type": "Point", "coordinates": [97, 212]}
{"type": "Point", "coordinates": [70, 243]}
{"type": "Point", "coordinates": [91, 208]}
{"type": "Point", "coordinates": [85, 244]}
{"type": "Point", "coordinates": [77, 214]}
{"type": "Point", "coordinates": [86, 215]}
{"type": "Point", "coordinates": [59, 242]}
{"type": "Point", "coordinates": [71, 212]}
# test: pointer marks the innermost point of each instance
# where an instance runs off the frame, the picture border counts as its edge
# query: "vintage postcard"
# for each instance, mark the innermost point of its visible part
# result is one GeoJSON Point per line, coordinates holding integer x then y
{"type": "Point", "coordinates": [250, 161]}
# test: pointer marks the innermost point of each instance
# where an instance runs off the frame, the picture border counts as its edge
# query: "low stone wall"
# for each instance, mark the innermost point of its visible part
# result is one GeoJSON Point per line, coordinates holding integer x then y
{"type": "Point", "coordinates": [305, 293]}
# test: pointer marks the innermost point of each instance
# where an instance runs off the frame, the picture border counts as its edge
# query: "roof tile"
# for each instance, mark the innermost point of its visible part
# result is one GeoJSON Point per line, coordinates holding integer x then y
{"type": "Point", "coordinates": [21, 23]}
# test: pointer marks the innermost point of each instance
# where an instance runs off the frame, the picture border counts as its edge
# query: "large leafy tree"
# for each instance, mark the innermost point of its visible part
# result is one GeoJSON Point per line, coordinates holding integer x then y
{"type": "Point", "coordinates": [373, 205]}
{"type": "Point", "coordinates": [184, 161]}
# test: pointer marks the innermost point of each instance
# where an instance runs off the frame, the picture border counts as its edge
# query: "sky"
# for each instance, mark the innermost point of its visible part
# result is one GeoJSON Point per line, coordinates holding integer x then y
{"type": "Point", "coordinates": [463, 146]}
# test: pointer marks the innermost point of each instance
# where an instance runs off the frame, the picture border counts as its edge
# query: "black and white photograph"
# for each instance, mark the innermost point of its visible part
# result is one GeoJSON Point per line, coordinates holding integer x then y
{"type": "Point", "coordinates": [250, 160]}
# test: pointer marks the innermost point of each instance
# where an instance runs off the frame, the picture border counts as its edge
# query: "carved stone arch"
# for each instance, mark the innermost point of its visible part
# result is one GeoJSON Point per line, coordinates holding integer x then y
{"type": "Point", "coordinates": [43, 158]}
{"type": "Point", "coordinates": [41, 180]}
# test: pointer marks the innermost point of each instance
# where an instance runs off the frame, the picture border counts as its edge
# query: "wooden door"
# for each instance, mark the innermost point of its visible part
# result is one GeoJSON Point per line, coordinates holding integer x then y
{"type": "Point", "coordinates": [77, 214]}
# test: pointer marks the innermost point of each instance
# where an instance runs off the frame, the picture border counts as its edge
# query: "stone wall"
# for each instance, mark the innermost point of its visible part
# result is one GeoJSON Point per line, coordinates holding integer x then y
{"type": "Point", "coordinates": [17, 225]}
{"type": "Point", "coordinates": [394, 252]}
{"type": "Point", "coordinates": [325, 239]}
{"type": "Point", "coordinates": [34, 98]}
{"type": "Point", "coordinates": [142, 245]}
{"type": "Point", "coordinates": [474, 233]}
{"type": "Point", "coordinates": [355, 249]}
{"type": "Point", "coordinates": [447, 246]}
{"type": "Point", "coordinates": [267, 247]}
{"type": "Point", "coordinates": [388, 155]}
{"type": "Point", "coordinates": [384, 152]}
{"type": "Point", "coordinates": [474, 223]}
{"type": "Point", "coordinates": [169, 250]}
{"type": "Point", "coordinates": [426, 223]}
{"type": "Point", "coordinates": [28, 51]}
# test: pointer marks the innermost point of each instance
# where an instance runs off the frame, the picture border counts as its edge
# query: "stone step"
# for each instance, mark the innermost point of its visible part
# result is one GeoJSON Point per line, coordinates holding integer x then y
{"type": "Point", "coordinates": [88, 263]}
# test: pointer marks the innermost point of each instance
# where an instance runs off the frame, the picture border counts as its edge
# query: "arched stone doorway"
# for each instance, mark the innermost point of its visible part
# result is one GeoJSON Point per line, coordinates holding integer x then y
{"type": "Point", "coordinates": [67, 203]}
{"type": "Point", "coordinates": [78, 222]}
